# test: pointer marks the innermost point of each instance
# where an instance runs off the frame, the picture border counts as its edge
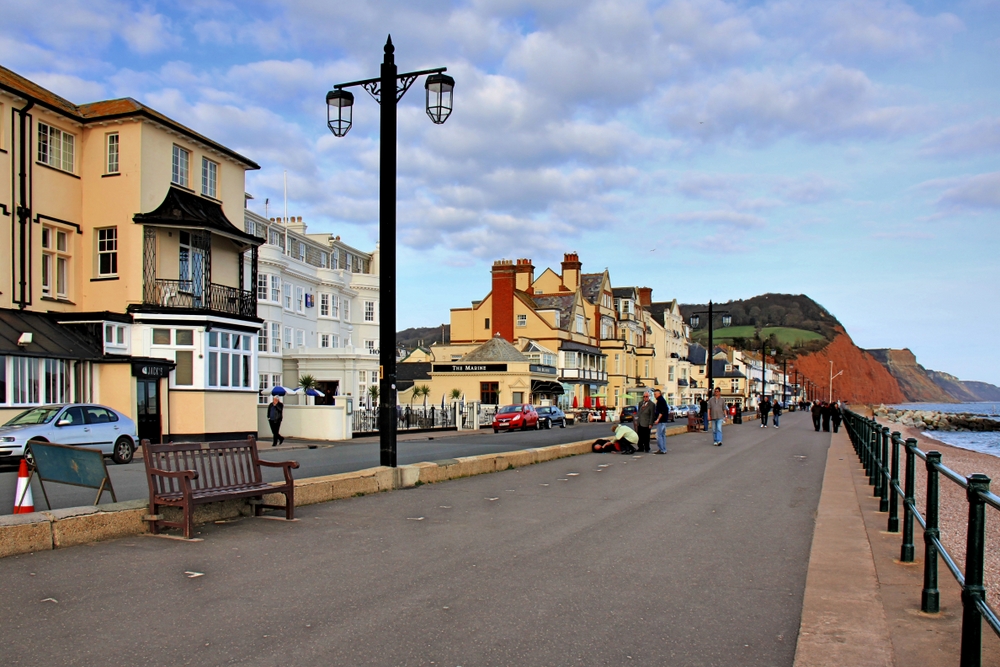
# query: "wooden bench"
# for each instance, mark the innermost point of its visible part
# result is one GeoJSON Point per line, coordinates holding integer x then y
{"type": "Point", "coordinates": [185, 474]}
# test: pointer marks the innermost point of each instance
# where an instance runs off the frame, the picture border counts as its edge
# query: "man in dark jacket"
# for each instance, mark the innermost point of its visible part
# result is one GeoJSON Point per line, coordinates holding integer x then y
{"type": "Point", "coordinates": [644, 418]}
{"type": "Point", "coordinates": [776, 411]}
{"type": "Point", "coordinates": [836, 417]}
{"type": "Point", "coordinates": [275, 411]}
{"type": "Point", "coordinates": [817, 412]}
{"type": "Point", "coordinates": [765, 409]}
{"type": "Point", "coordinates": [703, 413]}
{"type": "Point", "coordinates": [662, 415]}
{"type": "Point", "coordinates": [827, 414]}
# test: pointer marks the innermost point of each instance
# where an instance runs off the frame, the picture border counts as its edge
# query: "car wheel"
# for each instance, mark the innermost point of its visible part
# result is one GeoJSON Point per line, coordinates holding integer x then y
{"type": "Point", "coordinates": [562, 424]}
{"type": "Point", "coordinates": [27, 455]}
{"type": "Point", "coordinates": [123, 451]}
{"type": "Point", "coordinates": [496, 430]}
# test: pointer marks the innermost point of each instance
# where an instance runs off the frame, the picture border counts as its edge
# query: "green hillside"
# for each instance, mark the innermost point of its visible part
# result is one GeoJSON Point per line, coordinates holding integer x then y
{"type": "Point", "coordinates": [789, 336]}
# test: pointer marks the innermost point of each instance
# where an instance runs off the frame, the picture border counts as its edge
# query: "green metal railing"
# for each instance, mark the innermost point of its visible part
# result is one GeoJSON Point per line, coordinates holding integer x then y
{"type": "Point", "coordinates": [879, 451]}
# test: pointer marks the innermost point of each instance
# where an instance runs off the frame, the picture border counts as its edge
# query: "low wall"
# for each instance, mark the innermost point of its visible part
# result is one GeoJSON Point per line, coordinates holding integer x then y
{"type": "Point", "coordinates": [55, 529]}
{"type": "Point", "coordinates": [310, 422]}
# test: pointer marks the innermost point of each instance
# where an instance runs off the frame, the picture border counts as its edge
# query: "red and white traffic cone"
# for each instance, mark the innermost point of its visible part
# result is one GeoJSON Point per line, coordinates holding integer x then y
{"type": "Point", "coordinates": [23, 502]}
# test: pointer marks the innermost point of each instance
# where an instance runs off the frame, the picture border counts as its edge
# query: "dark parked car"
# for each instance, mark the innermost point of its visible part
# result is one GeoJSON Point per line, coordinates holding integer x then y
{"type": "Point", "coordinates": [628, 413]}
{"type": "Point", "coordinates": [550, 415]}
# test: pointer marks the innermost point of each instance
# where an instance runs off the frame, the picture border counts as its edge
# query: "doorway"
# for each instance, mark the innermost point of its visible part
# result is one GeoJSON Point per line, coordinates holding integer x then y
{"type": "Point", "coordinates": [330, 388]}
{"type": "Point", "coordinates": [148, 409]}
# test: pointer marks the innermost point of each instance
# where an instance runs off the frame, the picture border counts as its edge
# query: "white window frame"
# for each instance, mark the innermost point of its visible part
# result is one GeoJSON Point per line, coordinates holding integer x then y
{"type": "Point", "coordinates": [369, 311]}
{"type": "Point", "coordinates": [334, 307]}
{"type": "Point", "coordinates": [263, 281]}
{"type": "Point", "coordinates": [231, 363]}
{"type": "Point", "coordinates": [55, 262]}
{"type": "Point", "coordinates": [300, 338]}
{"type": "Point", "coordinates": [262, 338]}
{"type": "Point", "coordinates": [288, 338]}
{"type": "Point", "coordinates": [56, 148]}
{"type": "Point", "coordinates": [286, 292]}
{"type": "Point", "coordinates": [209, 178]}
{"type": "Point", "coordinates": [324, 340]}
{"type": "Point", "coordinates": [112, 153]}
{"type": "Point", "coordinates": [300, 299]}
{"type": "Point", "coordinates": [275, 338]}
{"type": "Point", "coordinates": [334, 341]}
{"type": "Point", "coordinates": [180, 166]}
{"type": "Point", "coordinates": [324, 304]}
{"type": "Point", "coordinates": [275, 289]}
{"type": "Point", "coordinates": [346, 303]}
{"type": "Point", "coordinates": [522, 320]}
{"type": "Point", "coordinates": [107, 247]}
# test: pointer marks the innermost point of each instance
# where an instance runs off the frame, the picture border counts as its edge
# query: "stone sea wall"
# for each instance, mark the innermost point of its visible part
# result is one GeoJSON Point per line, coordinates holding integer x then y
{"type": "Point", "coordinates": [931, 420]}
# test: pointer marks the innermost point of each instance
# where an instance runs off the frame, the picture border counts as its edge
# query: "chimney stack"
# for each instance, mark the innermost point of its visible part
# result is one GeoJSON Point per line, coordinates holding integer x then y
{"type": "Point", "coordinates": [504, 283]}
{"type": "Point", "coordinates": [525, 275]}
{"type": "Point", "coordinates": [645, 296]}
{"type": "Point", "coordinates": [571, 271]}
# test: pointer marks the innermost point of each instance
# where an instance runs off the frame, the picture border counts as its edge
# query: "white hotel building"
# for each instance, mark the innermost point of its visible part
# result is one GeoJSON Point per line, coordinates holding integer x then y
{"type": "Point", "coordinates": [318, 298]}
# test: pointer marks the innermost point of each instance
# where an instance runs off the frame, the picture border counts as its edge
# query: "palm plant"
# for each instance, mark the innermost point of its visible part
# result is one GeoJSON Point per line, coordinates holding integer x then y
{"type": "Point", "coordinates": [373, 394]}
{"type": "Point", "coordinates": [423, 390]}
{"type": "Point", "coordinates": [307, 382]}
{"type": "Point", "coordinates": [455, 394]}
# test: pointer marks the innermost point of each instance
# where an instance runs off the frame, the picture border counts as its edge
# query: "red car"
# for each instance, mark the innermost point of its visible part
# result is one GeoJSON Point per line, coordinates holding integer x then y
{"type": "Point", "coordinates": [510, 417]}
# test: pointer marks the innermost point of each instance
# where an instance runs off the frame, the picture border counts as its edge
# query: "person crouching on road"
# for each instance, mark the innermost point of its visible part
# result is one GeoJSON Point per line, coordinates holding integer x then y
{"type": "Point", "coordinates": [625, 439]}
{"type": "Point", "coordinates": [662, 415]}
{"type": "Point", "coordinates": [644, 417]}
{"type": "Point", "coordinates": [275, 412]}
{"type": "Point", "coordinates": [717, 413]}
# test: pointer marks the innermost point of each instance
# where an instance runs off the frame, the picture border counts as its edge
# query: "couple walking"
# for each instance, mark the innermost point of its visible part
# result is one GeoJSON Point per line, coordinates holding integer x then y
{"type": "Point", "coordinates": [652, 411]}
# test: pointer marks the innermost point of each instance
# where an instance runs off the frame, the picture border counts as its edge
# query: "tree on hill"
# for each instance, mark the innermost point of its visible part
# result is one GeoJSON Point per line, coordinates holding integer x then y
{"type": "Point", "coordinates": [775, 310]}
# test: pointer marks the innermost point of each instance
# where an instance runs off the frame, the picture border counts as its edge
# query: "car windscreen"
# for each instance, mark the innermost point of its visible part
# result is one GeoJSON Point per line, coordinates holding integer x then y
{"type": "Point", "coordinates": [41, 415]}
{"type": "Point", "coordinates": [507, 409]}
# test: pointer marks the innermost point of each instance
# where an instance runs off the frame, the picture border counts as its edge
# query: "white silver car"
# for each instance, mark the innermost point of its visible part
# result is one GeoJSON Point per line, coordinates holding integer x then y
{"type": "Point", "coordinates": [77, 424]}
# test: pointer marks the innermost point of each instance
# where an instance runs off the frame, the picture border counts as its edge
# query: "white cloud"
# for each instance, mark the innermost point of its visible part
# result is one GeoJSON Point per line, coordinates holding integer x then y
{"type": "Point", "coordinates": [967, 193]}
{"type": "Point", "coordinates": [808, 189]}
{"type": "Point", "coordinates": [147, 33]}
{"type": "Point", "coordinates": [965, 139]}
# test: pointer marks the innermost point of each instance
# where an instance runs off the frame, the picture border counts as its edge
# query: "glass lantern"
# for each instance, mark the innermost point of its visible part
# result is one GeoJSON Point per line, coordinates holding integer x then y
{"type": "Point", "coordinates": [439, 97]}
{"type": "Point", "coordinates": [339, 111]}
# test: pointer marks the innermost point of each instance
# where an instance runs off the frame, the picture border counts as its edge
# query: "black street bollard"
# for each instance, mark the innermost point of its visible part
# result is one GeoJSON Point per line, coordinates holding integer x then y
{"type": "Point", "coordinates": [893, 526]}
{"type": "Point", "coordinates": [906, 552]}
{"type": "Point", "coordinates": [930, 597]}
{"type": "Point", "coordinates": [883, 503]}
{"type": "Point", "coordinates": [974, 593]}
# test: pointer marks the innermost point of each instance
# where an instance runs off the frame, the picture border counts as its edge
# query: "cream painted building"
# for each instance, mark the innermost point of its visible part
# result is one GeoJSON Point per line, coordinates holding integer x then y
{"type": "Point", "coordinates": [126, 266]}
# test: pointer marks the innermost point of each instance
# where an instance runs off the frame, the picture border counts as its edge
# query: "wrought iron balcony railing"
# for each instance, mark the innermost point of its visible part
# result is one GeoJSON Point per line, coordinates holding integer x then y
{"type": "Point", "coordinates": [188, 295]}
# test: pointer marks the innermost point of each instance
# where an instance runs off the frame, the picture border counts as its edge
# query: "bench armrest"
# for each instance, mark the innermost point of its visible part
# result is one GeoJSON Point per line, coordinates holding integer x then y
{"type": "Point", "coordinates": [285, 465]}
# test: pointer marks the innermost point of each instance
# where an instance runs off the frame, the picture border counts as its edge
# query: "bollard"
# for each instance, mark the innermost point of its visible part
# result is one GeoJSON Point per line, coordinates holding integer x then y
{"type": "Point", "coordinates": [930, 597]}
{"type": "Point", "coordinates": [883, 483]}
{"type": "Point", "coordinates": [974, 592]}
{"type": "Point", "coordinates": [893, 526]}
{"type": "Point", "coordinates": [906, 552]}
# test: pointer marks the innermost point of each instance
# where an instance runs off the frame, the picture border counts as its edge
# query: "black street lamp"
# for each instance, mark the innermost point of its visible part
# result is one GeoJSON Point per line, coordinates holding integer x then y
{"type": "Point", "coordinates": [695, 320]}
{"type": "Point", "coordinates": [339, 118]}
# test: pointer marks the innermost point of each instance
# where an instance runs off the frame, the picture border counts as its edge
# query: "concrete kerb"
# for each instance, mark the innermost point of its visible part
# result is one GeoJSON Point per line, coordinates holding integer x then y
{"type": "Point", "coordinates": [56, 529]}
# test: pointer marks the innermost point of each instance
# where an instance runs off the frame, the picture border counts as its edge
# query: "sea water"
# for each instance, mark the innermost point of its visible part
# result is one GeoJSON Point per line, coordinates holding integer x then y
{"type": "Point", "coordinates": [987, 442]}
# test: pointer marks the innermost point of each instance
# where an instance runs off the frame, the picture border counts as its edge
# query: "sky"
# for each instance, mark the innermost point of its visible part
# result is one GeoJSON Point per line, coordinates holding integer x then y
{"type": "Point", "coordinates": [847, 150]}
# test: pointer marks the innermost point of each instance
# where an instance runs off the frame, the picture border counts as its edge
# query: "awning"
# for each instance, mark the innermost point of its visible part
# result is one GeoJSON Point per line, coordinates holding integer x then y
{"type": "Point", "coordinates": [49, 339]}
{"type": "Point", "coordinates": [546, 387]}
{"type": "Point", "coordinates": [185, 210]}
{"type": "Point", "coordinates": [580, 347]}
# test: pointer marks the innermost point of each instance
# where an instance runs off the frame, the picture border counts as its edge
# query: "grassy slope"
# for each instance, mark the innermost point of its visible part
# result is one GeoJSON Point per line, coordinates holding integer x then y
{"type": "Point", "coordinates": [787, 335]}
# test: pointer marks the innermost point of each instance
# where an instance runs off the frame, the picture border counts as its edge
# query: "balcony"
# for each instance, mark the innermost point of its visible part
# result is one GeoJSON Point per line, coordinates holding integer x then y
{"type": "Point", "coordinates": [582, 374]}
{"type": "Point", "coordinates": [187, 295]}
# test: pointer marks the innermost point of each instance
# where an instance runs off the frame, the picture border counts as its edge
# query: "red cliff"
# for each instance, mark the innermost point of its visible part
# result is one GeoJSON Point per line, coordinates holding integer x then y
{"type": "Point", "coordinates": [865, 379]}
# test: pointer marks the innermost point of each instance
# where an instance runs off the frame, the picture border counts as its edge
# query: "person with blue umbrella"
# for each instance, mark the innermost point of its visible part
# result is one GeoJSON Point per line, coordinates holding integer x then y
{"type": "Point", "coordinates": [275, 411]}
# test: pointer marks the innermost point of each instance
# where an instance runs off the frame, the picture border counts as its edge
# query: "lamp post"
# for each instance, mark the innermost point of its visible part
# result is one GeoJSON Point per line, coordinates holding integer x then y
{"type": "Point", "coordinates": [388, 89]}
{"type": "Point", "coordinates": [832, 378]}
{"type": "Point", "coordinates": [695, 320]}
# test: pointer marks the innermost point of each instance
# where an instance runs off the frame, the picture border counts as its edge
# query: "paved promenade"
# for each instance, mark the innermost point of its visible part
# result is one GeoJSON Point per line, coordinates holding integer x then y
{"type": "Point", "coordinates": [694, 558]}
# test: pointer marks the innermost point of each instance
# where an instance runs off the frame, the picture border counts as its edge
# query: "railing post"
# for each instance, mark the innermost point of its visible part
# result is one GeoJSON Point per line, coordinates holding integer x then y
{"type": "Point", "coordinates": [974, 592]}
{"type": "Point", "coordinates": [929, 597]}
{"type": "Point", "coordinates": [906, 552]}
{"type": "Point", "coordinates": [883, 483]}
{"type": "Point", "coordinates": [873, 444]}
{"type": "Point", "coordinates": [893, 526]}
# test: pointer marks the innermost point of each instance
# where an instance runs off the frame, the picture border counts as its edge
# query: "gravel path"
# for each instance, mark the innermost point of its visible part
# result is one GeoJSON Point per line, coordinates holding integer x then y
{"type": "Point", "coordinates": [954, 508]}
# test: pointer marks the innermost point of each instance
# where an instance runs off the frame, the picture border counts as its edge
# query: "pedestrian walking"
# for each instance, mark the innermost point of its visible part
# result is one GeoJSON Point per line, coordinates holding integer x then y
{"type": "Point", "coordinates": [827, 412]}
{"type": "Point", "coordinates": [644, 417]}
{"type": "Point", "coordinates": [662, 415]}
{"type": "Point", "coordinates": [836, 417]}
{"type": "Point", "coordinates": [817, 411]}
{"type": "Point", "coordinates": [765, 409]}
{"type": "Point", "coordinates": [776, 411]}
{"type": "Point", "coordinates": [717, 413]}
{"type": "Point", "coordinates": [703, 413]}
{"type": "Point", "coordinates": [275, 412]}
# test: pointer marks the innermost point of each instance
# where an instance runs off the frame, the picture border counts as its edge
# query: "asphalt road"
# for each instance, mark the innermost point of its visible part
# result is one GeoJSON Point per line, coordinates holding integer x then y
{"type": "Point", "coordinates": [129, 481]}
{"type": "Point", "coordinates": [696, 558]}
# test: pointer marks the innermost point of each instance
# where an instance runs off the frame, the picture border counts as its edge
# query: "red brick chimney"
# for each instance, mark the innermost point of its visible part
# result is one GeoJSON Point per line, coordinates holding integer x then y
{"type": "Point", "coordinates": [571, 271]}
{"type": "Point", "coordinates": [504, 283]}
{"type": "Point", "coordinates": [645, 296]}
{"type": "Point", "coordinates": [525, 275]}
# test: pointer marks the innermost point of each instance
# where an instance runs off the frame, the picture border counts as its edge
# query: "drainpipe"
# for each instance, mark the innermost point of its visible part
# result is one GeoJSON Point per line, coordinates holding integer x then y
{"type": "Point", "coordinates": [23, 212]}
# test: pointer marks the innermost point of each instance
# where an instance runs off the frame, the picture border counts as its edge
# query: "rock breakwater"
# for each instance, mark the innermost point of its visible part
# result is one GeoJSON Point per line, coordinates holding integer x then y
{"type": "Point", "coordinates": [932, 420]}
